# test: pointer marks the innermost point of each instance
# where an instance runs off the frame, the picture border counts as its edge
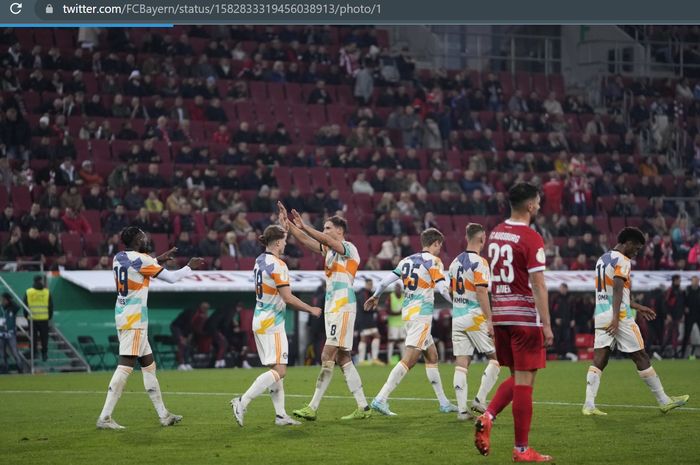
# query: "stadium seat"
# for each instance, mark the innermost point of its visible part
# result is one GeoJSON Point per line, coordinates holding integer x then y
{"type": "Point", "coordinates": [94, 354]}
{"type": "Point", "coordinates": [72, 244]}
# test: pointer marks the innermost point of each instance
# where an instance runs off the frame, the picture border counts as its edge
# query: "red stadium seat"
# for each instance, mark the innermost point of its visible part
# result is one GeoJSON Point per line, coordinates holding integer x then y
{"type": "Point", "coordinates": [72, 244]}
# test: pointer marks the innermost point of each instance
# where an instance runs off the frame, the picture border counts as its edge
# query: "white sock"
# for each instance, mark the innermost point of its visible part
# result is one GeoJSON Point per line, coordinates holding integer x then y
{"type": "Point", "coordinates": [375, 348]}
{"type": "Point", "coordinates": [460, 383]}
{"type": "Point", "coordinates": [362, 351]}
{"type": "Point", "coordinates": [116, 386]}
{"type": "Point", "coordinates": [389, 351]}
{"type": "Point", "coordinates": [592, 385]}
{"type": "Point", "coordinates": [488, 379]}
{"type": "Point", "coordinates": [352, 378]}
{"type": "Point", "coordinates": [261, 383]}
{"type": "Point", "coordinates": [652, 380]}
{"type": "Point", "coordinates": [436, 383]}
{"type": "Point", "coordinates": [324, 379]}
{"type": "Point", "coordinates": [277, 396]}
{"type": "Point", "coordinates": [395, 377]}
{"type": "Point", "coordinates": [150, 382]}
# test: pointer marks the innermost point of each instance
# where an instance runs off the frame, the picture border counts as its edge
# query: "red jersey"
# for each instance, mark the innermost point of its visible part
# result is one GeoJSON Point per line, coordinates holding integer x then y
{"type": "Point", "coordinates": [515, 250]}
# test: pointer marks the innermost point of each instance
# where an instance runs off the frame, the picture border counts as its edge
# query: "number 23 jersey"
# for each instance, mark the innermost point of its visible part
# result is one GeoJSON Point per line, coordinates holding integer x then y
{"type": "Point", "coordinates": [515, 250]}
{"type": "Point", "coordinates": [419, 273]}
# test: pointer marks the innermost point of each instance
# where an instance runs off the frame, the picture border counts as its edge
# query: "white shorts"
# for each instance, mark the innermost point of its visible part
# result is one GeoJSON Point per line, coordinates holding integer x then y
{"type": "Point", "coordinates": [134, 342]}
{"type": "Point", "coordinates": [369, 332]}
{"type": "Point", "coordinates": [340, 329]}
{"type": "Point", "coordinates": [396, 333]}
{"type": "Point", "coordinates": [273, 348]}
{"type": "Point", "coordinates": [418, 333]}
{"type": "Point", "coordinates": [628, 338]}
{"type": "Point", "coordinates": [469, 335]}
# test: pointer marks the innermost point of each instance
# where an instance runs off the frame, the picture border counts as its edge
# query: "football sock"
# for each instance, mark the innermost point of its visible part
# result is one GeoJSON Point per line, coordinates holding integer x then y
{"type": "Point", "coordinates": [460, 383]}
{"type": "Point", "coordinates": [361, 351]}
{"type": "Point", "coordinates": [434, 377]}
{"type": "Point", "coordinates": [150, 382]}
{"type": "Point", "coordinates": [652, 380]}
{"type": "Point", "coordinates": [395, 377]}
{"type": "Point", "coordinates": [522, 413]}
{"type": "Point", "coordinates": [488, 379]}
{"type": "Point", "coordinates": [503, 397]}
{"type": "Point", "coordinates": [324, 379]}
{"type": "Point", "coordinates": [375, 348]}
{"type": "Point", "coordinates": [277, 396]}
{"type": "Point", "coordinates": [116, 386]}
{"type": "Point", "coordinates": [259, 386]}
{"type": "Point", "coordinates": [352, 378]}
{"type": "Point", "coordinates": [592, 385]}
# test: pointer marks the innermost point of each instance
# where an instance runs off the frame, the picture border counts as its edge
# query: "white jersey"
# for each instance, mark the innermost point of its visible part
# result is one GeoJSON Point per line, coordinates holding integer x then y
{"type": "Point", "coordinates": [612, 265]}
{"type": "Point", "coordinates": [466, 272]}
{"type": "Point", "coordinates": [132, 275]}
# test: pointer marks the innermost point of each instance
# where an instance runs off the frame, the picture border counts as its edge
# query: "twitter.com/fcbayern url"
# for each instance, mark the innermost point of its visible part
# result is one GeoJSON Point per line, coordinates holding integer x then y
{"type": "Point", "coordinates": [335, 9]}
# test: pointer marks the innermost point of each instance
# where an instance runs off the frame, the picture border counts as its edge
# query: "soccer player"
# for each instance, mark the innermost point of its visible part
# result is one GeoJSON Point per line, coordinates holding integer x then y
{"type": "Point", "coordinates": [614, 322]}
{"type": "Point", "coordinates": [272, 295]}
{"type": "Point", "coordinates": [133, 271]}
{"type": "Point", "coordinates": [471, 320]}
{"type": "Point", "coordinates": [396, 332]}
{"type": "Point", "coordinates": [367, 329]}
{"type": "Point", "coordinates": [521, 323]}
{"type": "Point", "coordinates": [421, 273]}
{"type": "Point", "coordinates": [341, 261]}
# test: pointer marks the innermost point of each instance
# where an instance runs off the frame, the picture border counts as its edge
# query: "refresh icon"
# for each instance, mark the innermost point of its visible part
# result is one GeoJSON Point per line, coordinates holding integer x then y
{"type": "Point", "coordinates": [16, 8]}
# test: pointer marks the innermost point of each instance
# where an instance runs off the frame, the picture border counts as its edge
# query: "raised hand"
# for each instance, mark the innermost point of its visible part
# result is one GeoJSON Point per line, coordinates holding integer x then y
{"type": "Point", "coordinates": [370, 304]}
{"type": "Point", "coordinates": [196, 262]}
{"type": "Point", "coordinates": [169, 255]}
{"type": "Point", "coordinates": [298, 221]}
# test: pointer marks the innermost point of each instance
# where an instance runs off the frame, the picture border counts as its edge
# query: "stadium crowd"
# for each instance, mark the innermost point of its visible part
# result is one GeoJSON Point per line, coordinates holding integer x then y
{"type": "Point", "coordinates": [194, 133]}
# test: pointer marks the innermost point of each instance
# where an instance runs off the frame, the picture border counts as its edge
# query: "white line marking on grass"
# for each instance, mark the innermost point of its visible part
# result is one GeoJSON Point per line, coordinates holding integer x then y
{"type": "Point", "coordinates": [302, 396]}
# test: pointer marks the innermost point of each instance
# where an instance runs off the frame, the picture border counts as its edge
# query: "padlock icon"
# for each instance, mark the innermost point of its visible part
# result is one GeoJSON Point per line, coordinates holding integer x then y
{"type": "Point", "coordinates": [49, 9]}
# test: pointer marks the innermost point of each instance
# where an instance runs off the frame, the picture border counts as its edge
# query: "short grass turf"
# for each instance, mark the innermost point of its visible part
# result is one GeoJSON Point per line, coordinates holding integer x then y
{"type": "Point", "coordinates": [50, 419]}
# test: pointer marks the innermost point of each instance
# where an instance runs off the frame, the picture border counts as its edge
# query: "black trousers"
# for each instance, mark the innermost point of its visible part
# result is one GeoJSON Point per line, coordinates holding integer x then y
{"type": "Point", "coordinates": [41, 334]}
{"type": "Point", "coordinates": [688, 327]}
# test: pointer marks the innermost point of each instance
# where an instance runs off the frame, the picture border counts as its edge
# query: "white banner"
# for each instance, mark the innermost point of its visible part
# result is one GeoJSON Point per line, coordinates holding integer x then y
{"type": "Point", "coordinates": [309, 281]}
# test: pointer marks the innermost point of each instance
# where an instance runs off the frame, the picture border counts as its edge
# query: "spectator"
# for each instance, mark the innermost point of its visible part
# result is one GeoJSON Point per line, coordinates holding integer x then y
{"type": "Point", "coordinates": [88, 175]}
{"type": "Point", "coordinates": [8, 332]}
{"type": "Point", "coordinates": [392, 225]}
{"type": "Point", "coordinates": [14, 248]}
{"type": "Point", "coordinates": [675, 311]}
{"type": "Point", "coordinates": [229, 247]}
{"type": "Point", "coordinates": [75, 222]}
{"type": "Point", "coordinates": [240, 224]}
{"type": "Point", "coordinates": [564, 323]}
{"type": "Point", "coordinates": [361, 185]}
{"type": "Point", "coordinates": [210, 246]}
{"type": "Point", "coordinates": [261, 203]}
{"type": "Point", "coordinates": [580, 264]}
{"type": "Point", "coordinates": [692, 316]}
{"type": "Point", "coordinates": [250, 247]}
{"type": "Point", "coordinates": [181, 329]}
{"type": "Point", "coordinates": [319, 95]}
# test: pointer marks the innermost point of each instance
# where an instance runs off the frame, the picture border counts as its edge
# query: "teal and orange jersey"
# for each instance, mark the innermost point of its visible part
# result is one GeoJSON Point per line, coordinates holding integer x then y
{"type": "Point", "coordinates": [340, 270]}
{"type": "Point", "coordinates": [419, 273]}
{"type": "Point", "coordinates": [132, 275]}
{"type": "Point", "coordinates": [270, 273]}
{"type": "Point", "coordinates": [612, 265]}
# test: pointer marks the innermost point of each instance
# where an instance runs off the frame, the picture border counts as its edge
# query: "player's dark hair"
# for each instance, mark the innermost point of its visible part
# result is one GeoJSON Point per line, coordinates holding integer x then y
{"type": "Point", "coordinates": [128, 235]}
{"type": "Point", "coordinates": [271, 234]}
{"type": "Point", "coordinates": [431, 236]}
{"type": "Point", "coordinates": [631, 234]}
{"type": "Point", "coordinates": [473, 229]}
{"type": "Point", "coordinates": [339, 222]}
{"type": "Point", "coordinates": [521, 193]}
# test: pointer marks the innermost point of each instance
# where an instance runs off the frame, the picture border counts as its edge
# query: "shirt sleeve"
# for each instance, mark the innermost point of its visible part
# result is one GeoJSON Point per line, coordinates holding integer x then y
{"type": "Point", "coordinates": [536, 257]}
{"type": "Point", "coordinates": [397, 270]}
{"type": "Point", "coordinates": [623, 269]}
{"type": "Point", "coordinates": [437, 271]}
{"type": "Point", "coordinates": [149, 266]}
{"type": "Point", "coordinates": [482, 274]}
{"type": "Point", "coordinates": [281, 274]}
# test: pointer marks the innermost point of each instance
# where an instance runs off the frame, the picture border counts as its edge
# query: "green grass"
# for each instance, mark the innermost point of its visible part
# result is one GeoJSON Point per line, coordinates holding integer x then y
{"type": "Point", "coordinates": [52, 420]}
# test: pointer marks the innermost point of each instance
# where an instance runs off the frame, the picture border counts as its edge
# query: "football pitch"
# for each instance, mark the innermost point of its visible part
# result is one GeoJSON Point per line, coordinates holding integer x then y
{"type": "Point", "coordinates": [50, 419]}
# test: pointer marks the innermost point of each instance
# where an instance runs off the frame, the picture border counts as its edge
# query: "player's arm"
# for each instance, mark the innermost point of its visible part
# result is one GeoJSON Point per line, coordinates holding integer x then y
{"type": "Point", "coordinates": [441, 287]}
{"type": "Point", "coordinates": [646, 312]}
{"type": "Point", "coordinates": [295, 302]}
{"type": "Point", "coordinates": [371, 303]}
{"type": "Point", "coordinates": [482, 296]}
{"type": "Point", "coordinates": [539, 292]}
{"type": "Point", "coordinates": [324, 239]}
{"type": "Point", "coordinates": [303, 238]}
{"type": "Point", "coordinates": [164, 257]}
{"type": "Point", "coordinates": [618, 289]}
{"type": "Point", "coordinates": [175, 276]}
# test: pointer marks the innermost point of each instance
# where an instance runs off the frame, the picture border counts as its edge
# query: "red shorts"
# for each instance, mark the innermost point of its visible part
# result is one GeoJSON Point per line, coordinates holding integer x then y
{"type": "Point", "coordinates": [520, 347]}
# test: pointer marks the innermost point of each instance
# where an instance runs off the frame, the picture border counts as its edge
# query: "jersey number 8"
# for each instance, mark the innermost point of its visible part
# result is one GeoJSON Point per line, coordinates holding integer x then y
{"type": "Point", "coordinates": [258, 284]}
{"type": "Point", "coordinates": [504, 252]}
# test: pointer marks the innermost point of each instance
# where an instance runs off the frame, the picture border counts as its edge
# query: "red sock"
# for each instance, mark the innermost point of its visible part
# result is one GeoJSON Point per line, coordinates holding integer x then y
{"type": "Point", "coordinates": [522, 413]}
{"type": "Point", "coordinates": [503, 396]}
